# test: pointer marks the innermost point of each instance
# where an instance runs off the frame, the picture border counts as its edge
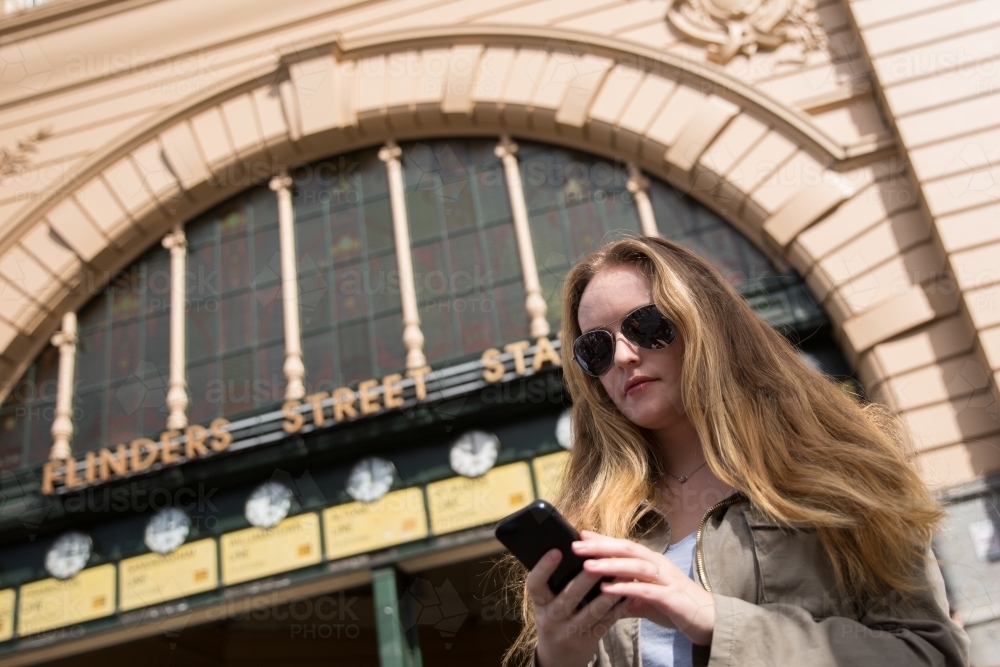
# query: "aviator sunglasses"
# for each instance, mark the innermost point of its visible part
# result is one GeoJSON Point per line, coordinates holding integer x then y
{"type": "Point", "coordinates": [645, 326]}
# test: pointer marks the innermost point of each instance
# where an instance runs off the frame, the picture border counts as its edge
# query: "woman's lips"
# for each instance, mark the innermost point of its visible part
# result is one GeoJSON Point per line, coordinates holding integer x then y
{"type": "Point", "coordinates": [636, 385]}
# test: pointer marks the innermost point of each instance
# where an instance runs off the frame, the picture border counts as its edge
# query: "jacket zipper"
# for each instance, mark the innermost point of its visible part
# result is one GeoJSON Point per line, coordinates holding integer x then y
{"type": "Point", "coordinates": [699, 556]}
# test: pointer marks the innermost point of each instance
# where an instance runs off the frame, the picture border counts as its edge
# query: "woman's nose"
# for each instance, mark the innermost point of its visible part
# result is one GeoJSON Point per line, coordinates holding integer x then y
{"type": "Point", "coordinates": [625, 351]}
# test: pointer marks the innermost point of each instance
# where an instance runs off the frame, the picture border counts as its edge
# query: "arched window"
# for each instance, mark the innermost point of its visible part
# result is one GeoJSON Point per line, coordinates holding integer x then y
{"type": "Point", "coordinates": [469, 282]}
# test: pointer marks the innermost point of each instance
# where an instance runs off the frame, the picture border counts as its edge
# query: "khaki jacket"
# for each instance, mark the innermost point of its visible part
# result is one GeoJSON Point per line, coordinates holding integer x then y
{"type": "Point", "coordinates": [776, 605]}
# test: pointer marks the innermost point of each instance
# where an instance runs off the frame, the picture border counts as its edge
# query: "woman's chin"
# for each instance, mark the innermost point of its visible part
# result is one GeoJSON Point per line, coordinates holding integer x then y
{"type": "Point", "coordinates": [650, 415]}
{"type": "Point", "coordinates": [643, 417]}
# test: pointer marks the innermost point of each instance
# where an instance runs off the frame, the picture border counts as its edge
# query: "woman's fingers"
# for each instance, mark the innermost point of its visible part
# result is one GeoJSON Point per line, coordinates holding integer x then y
{"type": "Point", "coordinates": [599, 546]}
{"type": "Point", "coordinates": [538, 578]}
{"type": "Point", "coordinates": [627, 568]}
{"type": "Point", "coordinates": [577, 589]}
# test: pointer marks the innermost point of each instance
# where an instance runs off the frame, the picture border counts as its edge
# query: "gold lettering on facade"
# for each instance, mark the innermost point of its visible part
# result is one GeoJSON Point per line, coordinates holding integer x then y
{"type": "Point", "coordinates": [139, 455]}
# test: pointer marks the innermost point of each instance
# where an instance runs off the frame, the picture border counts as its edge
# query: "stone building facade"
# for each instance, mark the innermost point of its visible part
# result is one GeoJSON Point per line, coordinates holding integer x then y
{"type": "Point", "coordinates": [853, 144]}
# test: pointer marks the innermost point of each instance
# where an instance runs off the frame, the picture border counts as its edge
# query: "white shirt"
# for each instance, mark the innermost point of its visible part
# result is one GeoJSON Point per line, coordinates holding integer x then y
{"type": "Point", "coordinates": [667, 647]}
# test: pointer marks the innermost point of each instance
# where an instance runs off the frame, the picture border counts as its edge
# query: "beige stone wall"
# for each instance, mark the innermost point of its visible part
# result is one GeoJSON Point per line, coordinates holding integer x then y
{"type": "Point", "coordinates": [158, 110]}
{"type": "Point", "coordinates": [936, 66]}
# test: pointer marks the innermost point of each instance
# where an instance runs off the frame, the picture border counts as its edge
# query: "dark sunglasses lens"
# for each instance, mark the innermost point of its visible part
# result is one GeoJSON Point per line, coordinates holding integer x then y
{"type": "Point", "coordinates": [648, 328]}
{"type": "Point", "coordinates": [594, 351]}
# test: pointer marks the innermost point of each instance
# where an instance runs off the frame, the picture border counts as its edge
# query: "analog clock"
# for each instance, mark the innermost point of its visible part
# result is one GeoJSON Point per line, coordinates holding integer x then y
{"type": "Point", "coordinates": [268, 504]}
{"type": "Point", "coordinates": [68, 555]}
{"type": "Point", "coordinates": [371, 479]}
{"type": "Point", "coordinates": [167, 530]}
{"type": "Point", "coordinates": [564, 429]}
{"type": "Point", "coordinates": [474, 453]}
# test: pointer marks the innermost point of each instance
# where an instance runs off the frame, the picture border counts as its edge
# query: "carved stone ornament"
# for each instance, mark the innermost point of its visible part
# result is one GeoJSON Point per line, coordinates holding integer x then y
{"type": "Point", "coordinates": [730, 27]}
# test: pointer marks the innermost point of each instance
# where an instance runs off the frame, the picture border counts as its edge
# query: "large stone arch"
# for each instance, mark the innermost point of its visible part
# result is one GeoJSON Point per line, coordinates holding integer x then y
{"type": "Point", "coordinates": [784, 183]}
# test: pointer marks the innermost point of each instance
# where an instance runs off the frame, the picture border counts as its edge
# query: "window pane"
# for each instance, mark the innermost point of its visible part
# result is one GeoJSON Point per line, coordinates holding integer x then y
{"type": "Point", "coordinates": [494, 200]}
{"type": "Point", "coordinates": [15, 418]}
{"type": "Point", "coordinates": [505, 262]}
{"type": "Point", "coordinates": [355, 353]}
{"type": "Point", "coordinates": [548, 240]}
{"type": "Point", "coordinates": [475, 321]}
{"type": "Point", "coordinates": [124, 351]}
{"type": "Point", "coordinates": [389, 344]}
{"type": "Point", "coordinates": [202, 330]}
{"type": "Point", "coordinates": [13, 422]}
{"type": "Point", "coordinates": [237, 381]}
{"type": "Point", "coordinates": [88, 420]}
{"type": "Point", "coordinates": [378, 224]}
{"type": "Point", "coordinates": [206, 390]}
{"type": "Point", "coordinates": [234, 318]}
{"type": "Point", "coordinates": [126, 294]}
{"type": "Point", "coordinates": [422, 208]}
{"type": "Point", "coordinates": [203, 279]}
{"type": "Point", "coordinates": [269, 305]}
{"type": "Point", "coordinates": [91, 358]}
{"type": "Point", "coordinates": [585, 229]}
{"type": "Point", "coordinates": [439, 339]}
{"type": "Point", "coordinates": [156, 340]}
{"type": "Point", "coordinates": [125, 404]}
{"type": "Point", "coordinates": [345, 235]}
{"type": "Point", "coordinates": [234, 266]}
{"type": "Point", "coordinates": [269, 385]}
{"type": "Point", "coordinates": [265, 207]}
{"type": "Point", "coordinates": [467, 265]}
{"type": "Point", "coordinates": [351, 292]}
{"type": "Point", "coordinates": [321, 351]}
{"type": "Point", "coordinates": [233, 217]}
{"type": "Point", "coordinates": [267, 257]}
{"type": "Point", "coordinates": [310, 239]}
{"type": "Point", "coordinates": [315, 299]}
{"type": "Point", "coordinates": [381, 283]}
{"type": "Point", "coordinates": [40, 432]}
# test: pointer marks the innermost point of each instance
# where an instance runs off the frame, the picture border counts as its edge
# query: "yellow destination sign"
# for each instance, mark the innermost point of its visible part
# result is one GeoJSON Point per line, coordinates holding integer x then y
{"type": "Point", "coordinates": [461, 502]}
{"type": "Point", "coordinates": [549, 471]}
{"type": "Point", "coordinates": [259, 552]}
{"type": "Point", "coordinates": [358, 527]}
{"type": "Point", "coordinates": [6, 614]}
{"type": "Point", "coordinates": [51, 603]}
{"type": "Point", "coordinates": [155, 578]}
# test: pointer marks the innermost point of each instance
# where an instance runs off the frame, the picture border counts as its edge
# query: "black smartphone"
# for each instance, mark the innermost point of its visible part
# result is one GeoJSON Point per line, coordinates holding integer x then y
{"type": "Point", "coordinates": [533, 531]}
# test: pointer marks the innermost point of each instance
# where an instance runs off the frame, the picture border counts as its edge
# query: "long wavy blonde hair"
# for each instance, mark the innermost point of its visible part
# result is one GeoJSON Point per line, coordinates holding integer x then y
{"type": "Point", "coordinates": [770, 426]}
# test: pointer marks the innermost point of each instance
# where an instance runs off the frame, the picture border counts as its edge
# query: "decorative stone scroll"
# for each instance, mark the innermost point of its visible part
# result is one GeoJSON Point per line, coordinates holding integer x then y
{"type": "Point", "coordinates": [730, 27]}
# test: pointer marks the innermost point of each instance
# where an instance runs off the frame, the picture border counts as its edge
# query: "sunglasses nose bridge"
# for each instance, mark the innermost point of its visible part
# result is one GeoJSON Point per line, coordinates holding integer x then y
{"type": "Point", "coordinates": [629, 346]}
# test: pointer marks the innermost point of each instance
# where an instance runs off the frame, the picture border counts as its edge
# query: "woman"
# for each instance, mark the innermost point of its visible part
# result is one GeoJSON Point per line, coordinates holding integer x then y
{"type": "Point", "coordinates": [742, 509]}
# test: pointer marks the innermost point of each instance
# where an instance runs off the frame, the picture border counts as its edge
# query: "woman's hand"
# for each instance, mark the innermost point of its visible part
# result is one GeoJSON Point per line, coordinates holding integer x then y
{"type": "Point", "coordinates": [656, 588]}
{"type": "Point", "coordinates": [568, 637]}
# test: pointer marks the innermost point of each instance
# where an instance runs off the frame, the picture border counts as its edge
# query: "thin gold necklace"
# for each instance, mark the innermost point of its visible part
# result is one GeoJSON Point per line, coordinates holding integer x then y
{"type": "Point", "coordinates": [684, 478]}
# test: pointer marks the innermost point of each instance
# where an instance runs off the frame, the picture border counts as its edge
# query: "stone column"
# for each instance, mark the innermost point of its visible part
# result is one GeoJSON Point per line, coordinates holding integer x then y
{"type": "Point", "coordinates": [413, 337]}
{"type": "Point", "coordinates": [638, 185]}
{"type": "Point", "coordinates": [506, 150]}
{"type": "Point", "coordinates": [177, 397]}
{"type": "Point", "coordinates": [295, 370]}
{"type": "Point", "coordinates": [62, 425]}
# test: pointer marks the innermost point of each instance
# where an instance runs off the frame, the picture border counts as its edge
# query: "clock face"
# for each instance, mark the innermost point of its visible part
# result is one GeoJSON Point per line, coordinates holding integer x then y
{"type": "Point", "coordinates": [268, 505]}
{"type": "Point", "coordinates": [371, 479]}
{"type": "Point", "coordinates": [564, 430]}
{"type": "Point", "coordinates": [68, 555]}
{"type": "Point", "coordinates": [474, 453]}
{"type": "Point", "coordinates": [167, 530]}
